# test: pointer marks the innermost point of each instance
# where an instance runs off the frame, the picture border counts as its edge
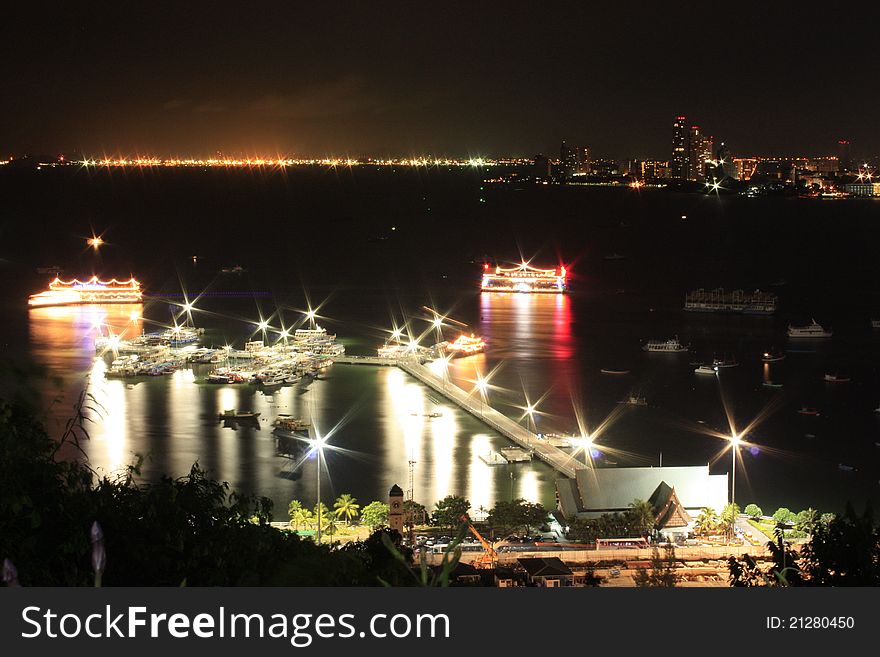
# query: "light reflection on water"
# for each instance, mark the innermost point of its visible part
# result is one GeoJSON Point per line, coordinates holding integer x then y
{"type": "Point", "coordinates": [379, 417]}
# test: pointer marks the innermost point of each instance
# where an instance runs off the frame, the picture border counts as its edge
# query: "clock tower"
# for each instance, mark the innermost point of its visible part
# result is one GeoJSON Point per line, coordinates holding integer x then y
{"type": "Point", "coordinates": [395, 508]}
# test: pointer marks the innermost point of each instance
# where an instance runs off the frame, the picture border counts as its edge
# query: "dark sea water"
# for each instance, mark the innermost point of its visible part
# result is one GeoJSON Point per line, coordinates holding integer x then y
{"type": "Point", "coordinates": [372, 247]}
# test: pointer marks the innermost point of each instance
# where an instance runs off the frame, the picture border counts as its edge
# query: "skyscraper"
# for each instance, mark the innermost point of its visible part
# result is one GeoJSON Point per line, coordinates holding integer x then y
{"type": "Point", "coordinates": [679, 162]}
{"type": "Point", "coordinates": [574, 159]}
{"type": "Point", "coordinates": [699, 151]}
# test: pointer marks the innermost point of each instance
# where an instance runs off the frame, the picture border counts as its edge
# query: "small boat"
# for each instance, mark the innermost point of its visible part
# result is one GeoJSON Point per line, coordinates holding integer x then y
{"type": "Point", "coordinates": [238, 415]}
{"type": "Point", "coordinates": [809, 435]}
{"type": "Point", "coordinates": [609, 371]}
{"type": "Point", "coordinates": [634, 400]}
{"type": "Point", "coordinates": [808, 410]}
{"type": "Point", "coordinates": [706, 369]}
{"type": "Point", "coordinates": [725, 362]}
{"type": "Point", "coordinates": [877, 410]}
{"type": "Point", "coordinates": [846, 467]}
{"type": "Point", "coordinates": [672, 346]}
{"type": "Point", "coordinates": [770, 384]}
{"type": "Point", "coordinates": [772, 356]}
{"type": "Point", "coordinates": [615, 256]}
{"type": "Point", "coordinates": [236, 269]}
{"type": "Point", "coordinates": [836, 378]}
{"type": "Point", "coordinates": [811, 330]}
{"type": "Point", "coordinates": [875, 323]}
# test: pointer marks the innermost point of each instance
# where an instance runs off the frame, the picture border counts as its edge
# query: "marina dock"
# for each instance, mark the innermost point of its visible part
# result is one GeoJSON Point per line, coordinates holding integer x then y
{"type": "Point", "coordinates": [555, 457]}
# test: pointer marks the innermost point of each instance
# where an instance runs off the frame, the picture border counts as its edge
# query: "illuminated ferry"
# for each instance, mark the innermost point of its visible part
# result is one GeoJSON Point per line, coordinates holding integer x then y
{"type": "Point", "coordinates": [466, 345]}
{"type": "Point", "coordinates": [93, 290]}
{"type": "Point", "coordinates": [524, 278]}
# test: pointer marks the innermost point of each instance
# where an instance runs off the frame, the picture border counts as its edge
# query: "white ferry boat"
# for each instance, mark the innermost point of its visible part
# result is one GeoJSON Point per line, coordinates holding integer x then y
{"type": "Point", "coordinates": [707, 369]}
{"type": "Point", "coordinates": [91, 291]}
{"type": "Point", "coordinates": [666, 346]}
{"type": "Point", "coordinates": [811, 330]}
{"type": "Point", "coordinates": [524, 278]}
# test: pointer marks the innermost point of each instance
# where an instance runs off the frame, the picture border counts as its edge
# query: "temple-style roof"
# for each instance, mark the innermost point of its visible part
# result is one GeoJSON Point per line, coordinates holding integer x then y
{"type": "Point", "coordinates": [668, 509]}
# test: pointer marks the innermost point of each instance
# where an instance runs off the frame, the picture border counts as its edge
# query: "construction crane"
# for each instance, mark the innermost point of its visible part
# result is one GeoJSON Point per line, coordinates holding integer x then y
{"type": "Point", "coordinates": [489, 557]}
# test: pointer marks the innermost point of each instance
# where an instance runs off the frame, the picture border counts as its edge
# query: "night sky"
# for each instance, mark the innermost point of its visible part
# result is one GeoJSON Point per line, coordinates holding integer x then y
{"type": "Point", "coordinates": [456, 79]}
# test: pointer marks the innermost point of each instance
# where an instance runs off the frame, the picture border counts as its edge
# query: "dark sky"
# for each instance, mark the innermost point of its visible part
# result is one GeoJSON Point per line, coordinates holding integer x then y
{"type": "Point", "coordinates": [458, 79]}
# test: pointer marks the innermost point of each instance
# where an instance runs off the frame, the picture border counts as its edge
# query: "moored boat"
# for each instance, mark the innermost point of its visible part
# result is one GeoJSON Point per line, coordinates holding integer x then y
{"type": "Point", "coordinates": [233, 414]}
{"type": "Point", "coordinates": [812, 330]}
{"type": "Point", "coordinates": [706, 369]}
{"type": "Point", "coordinates": [665, 346]}
{"type": "Point", "coordinates": [772, 356]}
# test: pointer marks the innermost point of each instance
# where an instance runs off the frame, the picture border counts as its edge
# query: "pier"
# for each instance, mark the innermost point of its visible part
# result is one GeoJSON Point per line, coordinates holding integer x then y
{"type": "Point", "coordinates": [555, 457]}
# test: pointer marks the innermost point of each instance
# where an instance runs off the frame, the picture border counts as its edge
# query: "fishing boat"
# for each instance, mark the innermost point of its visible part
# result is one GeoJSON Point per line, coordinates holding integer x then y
{"type": "Point", "coordinates": [875, 323]}
{"type": "Point", "coordinates": [634, 400]}
{"type": "Point", "coordinates": [836, 378]}
{"type": "Point", "coordinates": [772, 356]}
{"type": "Point", "coordinates": [812, 330]}
{"type": "Point", "coordinates": [845, 467]}
{"type": "Point", "coordinates": [706, 369]}
{"type": "Point", "coordinates": [725, 362]}
{"type": "Point", "coordinates": [771, 384]}
{"type": "Point", "coordinates": [237, 415]}
{"type": "Point", "coordinates": [672, 346]}
{"type": "Point", "coordinates": [807, 410]}
{"type": "Point", "coordinates": [609, 371]}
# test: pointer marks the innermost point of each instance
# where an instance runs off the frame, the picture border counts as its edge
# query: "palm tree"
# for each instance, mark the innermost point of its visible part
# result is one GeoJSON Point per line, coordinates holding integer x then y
{"type": "Point", "coordinates": [294, 512]}
{"type": "Point", "coordinates": [707, 521]}
{"type": "Point", "coordinates": [321, 513]}
{"type": "Point", "coordinates": [331, 527]}
{"type": "Point", "coordinates": [346, 506]}
{"type": "Point", "coordinates": [727, 522]}
{"type": "Point", "coordinates": [305, 518]}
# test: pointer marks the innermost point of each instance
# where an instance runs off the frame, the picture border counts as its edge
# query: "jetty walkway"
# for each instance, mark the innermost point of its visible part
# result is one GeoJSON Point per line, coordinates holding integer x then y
{"type": "Point", "coordinates": [473, 403]}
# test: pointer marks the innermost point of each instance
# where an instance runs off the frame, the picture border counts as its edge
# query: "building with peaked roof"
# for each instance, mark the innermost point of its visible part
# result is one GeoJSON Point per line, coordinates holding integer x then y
{"type": "Point", "coordinates": [546, 571]}
{"type": "Point", "coordinates": [670, 516]}
{"type": "Point", "coordinates": [595, 491]}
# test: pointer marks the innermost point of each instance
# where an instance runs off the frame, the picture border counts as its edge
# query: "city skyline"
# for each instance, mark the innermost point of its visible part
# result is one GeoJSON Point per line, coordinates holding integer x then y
{"type": "Point", "coordinates": [198, 79]}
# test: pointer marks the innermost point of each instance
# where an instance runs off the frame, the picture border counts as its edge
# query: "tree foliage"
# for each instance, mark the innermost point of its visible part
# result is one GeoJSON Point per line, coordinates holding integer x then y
{"type": "Point", "coordinates": [842, 551]}
{"type": "Point", "coordinates": [753, 511]}
{"type": "Point", "coordinates": [662, 572]}
{"type": "Point", "coordinates": [449, 510]}
{"type": "Point", "coordinates": [375, 514]}
{"type": "Point", "coordinates": [190, 529]}
{"type": "Point", "coordinates": [634, 522]}
{"type": "Point", "coordinates": [510, 516]}
{"type": "Point", "coordinates": [784, 515]}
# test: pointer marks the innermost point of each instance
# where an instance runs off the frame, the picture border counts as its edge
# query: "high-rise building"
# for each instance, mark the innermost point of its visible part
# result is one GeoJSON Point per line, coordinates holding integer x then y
{"type": "Point", "coordinates": [699, 151]}
{"type": "Point", "coordinates": [844, 156]}
{"type": "Point", "coordinates": [574, 159]}
{"type": "Point", "coordinates": [679, 162]}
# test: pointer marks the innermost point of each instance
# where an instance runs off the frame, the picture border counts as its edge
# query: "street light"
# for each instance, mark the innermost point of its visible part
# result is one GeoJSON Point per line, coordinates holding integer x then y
{"type": "Point", "coordinates": [318, 446]}
{"type": "Point", "coordinates": [735, 442]}
{"type": "Point", "coordinates": [483, 386]}
{"type": "Point", "coordinates": [585, 443]}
